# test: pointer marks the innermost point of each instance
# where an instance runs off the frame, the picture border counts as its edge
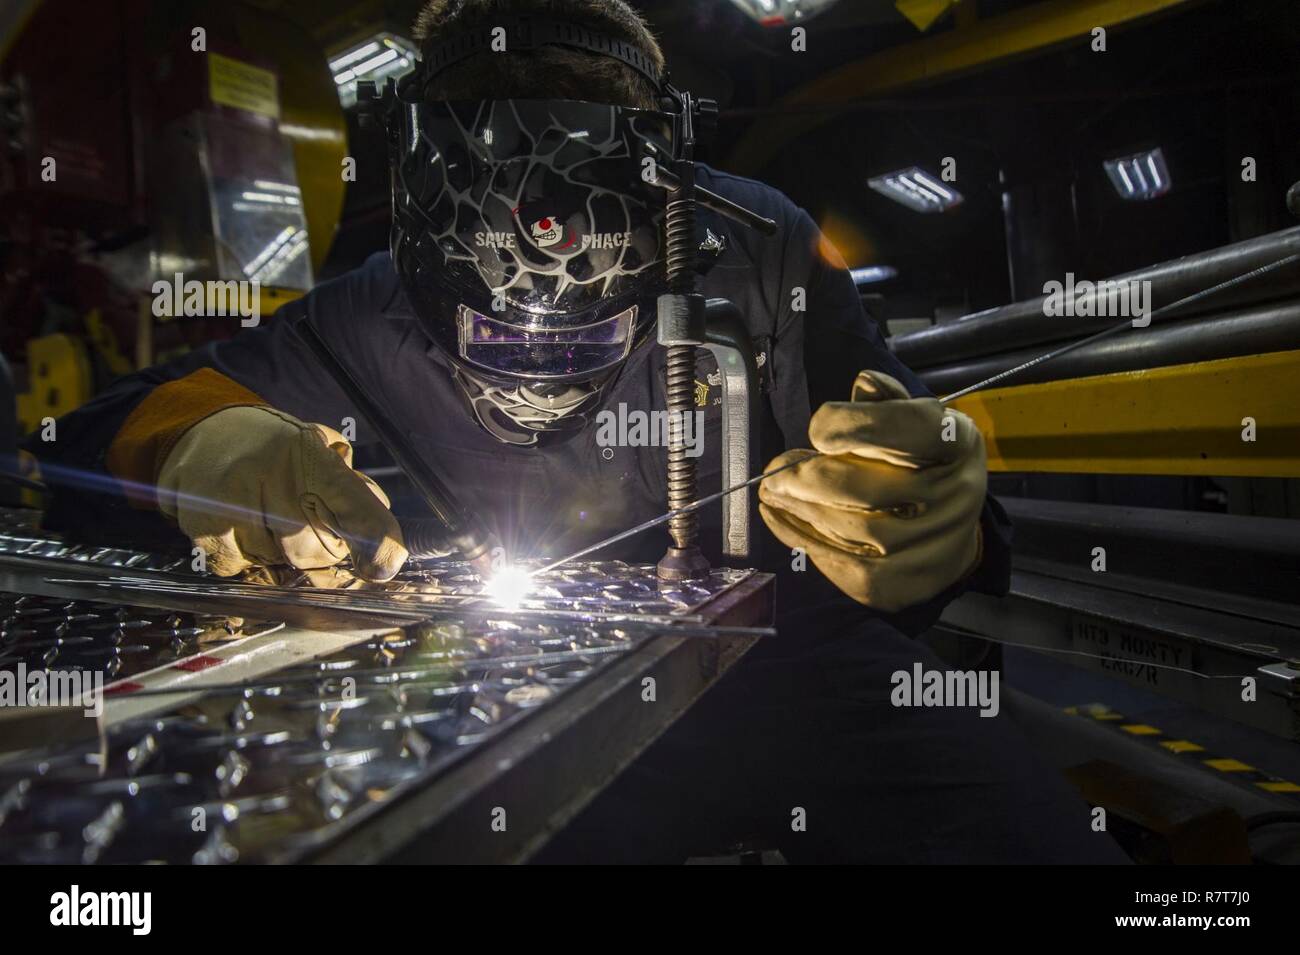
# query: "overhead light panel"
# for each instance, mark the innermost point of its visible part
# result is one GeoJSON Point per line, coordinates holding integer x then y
{"type": "Point", "coordinates": [917, 189]}
{"type": "Point", "coordinates": [775, 13]}
{"type": "Point", "coordinates": [375, 59]}
{"type": "Point", "coordinates": [1139, 177]}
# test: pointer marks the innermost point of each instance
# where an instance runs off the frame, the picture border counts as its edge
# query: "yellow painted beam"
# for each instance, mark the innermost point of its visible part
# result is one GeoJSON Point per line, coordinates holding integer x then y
{"type": "Point", "coordinates": [923, 13]}
{"type": "Point", "coordinates": [1035, 27]}
{"type": "Point", "coordinates": [1183, 419]}
{"type": "Point", "coordinates": [14, 17]}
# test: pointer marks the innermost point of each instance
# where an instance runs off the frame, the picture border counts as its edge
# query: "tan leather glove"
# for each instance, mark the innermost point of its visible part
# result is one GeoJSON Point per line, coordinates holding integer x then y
{"type": "Point", "coordinates": [890, 510]}
{"type": "Point", "coordinates": [253, 486]}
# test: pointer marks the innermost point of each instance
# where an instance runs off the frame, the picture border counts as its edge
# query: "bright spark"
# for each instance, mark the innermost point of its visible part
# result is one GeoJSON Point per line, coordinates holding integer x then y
{"type": "Point", "coordinates": [508, 587]}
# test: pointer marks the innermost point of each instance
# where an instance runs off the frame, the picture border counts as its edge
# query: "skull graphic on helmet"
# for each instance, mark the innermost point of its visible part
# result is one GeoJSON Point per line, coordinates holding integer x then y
{"type": "Point", "coordinates": [547, 231]}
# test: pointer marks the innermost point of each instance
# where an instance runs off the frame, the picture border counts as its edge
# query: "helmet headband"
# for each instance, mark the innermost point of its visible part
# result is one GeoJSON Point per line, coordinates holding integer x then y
{"type": "Point", "coordinates": [522, 34]}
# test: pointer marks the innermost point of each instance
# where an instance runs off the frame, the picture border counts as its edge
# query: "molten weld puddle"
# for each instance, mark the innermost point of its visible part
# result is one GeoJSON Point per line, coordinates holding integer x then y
{"type": "Point", "coordinates": [508, 587]}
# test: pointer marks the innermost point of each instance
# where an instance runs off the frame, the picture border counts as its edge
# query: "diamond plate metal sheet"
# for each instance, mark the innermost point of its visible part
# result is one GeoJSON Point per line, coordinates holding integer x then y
{"type": "Point", "coordinates": [259, 771]}
{"type": "Point", "coordinates": [22, 541]}
{"type": "Point", "coordinates": [609, 588]}
{"type": "Point", "coordinates": [51, 633]}
{"type": "Point", "coordinates": [604, 588]}
{"type": "Point", "coordinates": [279, 761]}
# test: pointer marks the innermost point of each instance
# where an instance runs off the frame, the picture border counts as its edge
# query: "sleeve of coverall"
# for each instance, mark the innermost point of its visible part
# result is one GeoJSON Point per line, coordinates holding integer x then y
{"type": "Point", "coordinates": [105, 454]}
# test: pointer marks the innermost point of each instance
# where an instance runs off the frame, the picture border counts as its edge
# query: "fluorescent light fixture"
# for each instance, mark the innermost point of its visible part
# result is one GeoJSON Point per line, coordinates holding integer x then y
{"type": "Point", "coordinates": [917, 189]}
{"type": "Point", "coordinates": [775, 13]}
{"type": "Point", "coordinates": [277, 255]}
{"type": "Point", "coordinates": [269, 186]}
{"type": "Point", "coordinates": [259, 261]}
{"type": "Point", "coordinates": [1141, 176]}
{"type": "Point", "coordinates": [371, 65]}
{"type": "Point", "coordinates": [270, 198]}
{"type": "Point", "coordinates": [374, 59]}
{"type": "Point", "coordinates": [369, 48]}
{"type": "Point", "coordinates": [871, 274]}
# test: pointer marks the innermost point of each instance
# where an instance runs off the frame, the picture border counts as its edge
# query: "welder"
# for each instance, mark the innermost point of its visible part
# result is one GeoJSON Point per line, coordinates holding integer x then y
{"type": "Point", "coordinates": [517, 300]}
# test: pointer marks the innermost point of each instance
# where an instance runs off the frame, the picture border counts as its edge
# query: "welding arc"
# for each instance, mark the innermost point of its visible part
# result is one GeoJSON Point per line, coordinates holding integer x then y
{"type": "Point", "coordinates": [978, 386]}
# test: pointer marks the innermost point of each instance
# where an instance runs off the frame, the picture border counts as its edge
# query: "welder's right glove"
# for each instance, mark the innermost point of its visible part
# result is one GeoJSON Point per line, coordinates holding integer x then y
{"type": "Point", "coordinates": [890, 509]}
{"type": "Point", "coordinates": [253, 486]}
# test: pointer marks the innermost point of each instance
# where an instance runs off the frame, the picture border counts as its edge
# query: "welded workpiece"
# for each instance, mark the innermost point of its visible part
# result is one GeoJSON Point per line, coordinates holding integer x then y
{"type": "Point", "coordinates": [288, 756]}
{"type": "Point", "coordinates": [333, 599]}
{"type": "Point", "coordinates": [606, 588]}
{"type": "Point", "coordinates": [53, 633]}
{"type": "Point", "coordinates": [307, 761]}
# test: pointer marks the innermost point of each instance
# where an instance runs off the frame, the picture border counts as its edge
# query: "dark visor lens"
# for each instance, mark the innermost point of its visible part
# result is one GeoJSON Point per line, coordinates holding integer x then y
{"type": "Point", "coordinates": [501, 346]}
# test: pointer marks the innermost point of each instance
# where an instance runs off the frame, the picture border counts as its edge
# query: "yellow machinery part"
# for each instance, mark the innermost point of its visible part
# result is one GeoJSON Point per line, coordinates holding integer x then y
{"type": "Point", "coordinates": [13, 17]}
{"type": "Point", "coordinates": [105, 343]}
{"type": "Point", "coordinates": [1233, 417]}
{"type": "Point", "coordinates": [60, 379]}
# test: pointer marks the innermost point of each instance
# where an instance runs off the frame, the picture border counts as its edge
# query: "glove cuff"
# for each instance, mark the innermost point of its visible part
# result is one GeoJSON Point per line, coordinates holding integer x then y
{"type": "Point", "coordinates": [151, 431]}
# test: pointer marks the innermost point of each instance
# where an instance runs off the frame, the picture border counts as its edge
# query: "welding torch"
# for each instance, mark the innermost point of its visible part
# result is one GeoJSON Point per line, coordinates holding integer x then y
{"type": "Point", "coordinates": [453, 526]}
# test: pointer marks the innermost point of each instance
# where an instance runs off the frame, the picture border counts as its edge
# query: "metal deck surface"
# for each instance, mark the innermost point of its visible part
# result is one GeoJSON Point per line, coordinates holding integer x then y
{"type": "Point", "coordinates": [402, 744]}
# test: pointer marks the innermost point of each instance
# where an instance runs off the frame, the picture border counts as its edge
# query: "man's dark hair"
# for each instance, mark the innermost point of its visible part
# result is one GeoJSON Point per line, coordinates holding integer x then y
{"type": "Point", "coordinates": [549, 72]}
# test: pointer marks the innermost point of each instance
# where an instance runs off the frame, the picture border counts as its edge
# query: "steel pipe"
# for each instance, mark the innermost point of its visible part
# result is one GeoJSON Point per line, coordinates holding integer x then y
{"type": "Point", "coordinates": [1256, 331]}
{"type": "Point", "coordinates": [1023, 324]}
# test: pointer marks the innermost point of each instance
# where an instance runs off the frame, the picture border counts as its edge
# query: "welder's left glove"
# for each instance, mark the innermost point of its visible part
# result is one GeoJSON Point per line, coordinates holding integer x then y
{"type": "Point", "coordinates": [890, 510]}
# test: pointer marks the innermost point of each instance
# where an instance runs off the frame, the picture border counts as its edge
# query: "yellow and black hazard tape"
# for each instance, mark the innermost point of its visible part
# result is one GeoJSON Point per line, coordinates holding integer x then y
{"type": "Point", "coordinates": [1186, 749]}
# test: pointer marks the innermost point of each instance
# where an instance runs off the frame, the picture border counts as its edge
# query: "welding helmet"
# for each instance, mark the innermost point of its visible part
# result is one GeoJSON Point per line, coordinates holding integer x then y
{"type": "Point", "coordinates": [528, 243]}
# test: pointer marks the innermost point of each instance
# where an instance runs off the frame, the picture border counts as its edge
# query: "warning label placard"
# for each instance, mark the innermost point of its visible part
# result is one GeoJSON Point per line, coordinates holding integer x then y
{"type": "Point", "coordinates": [1138, 655]}
{"type": "Point", "coordinates": [243, 86]}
